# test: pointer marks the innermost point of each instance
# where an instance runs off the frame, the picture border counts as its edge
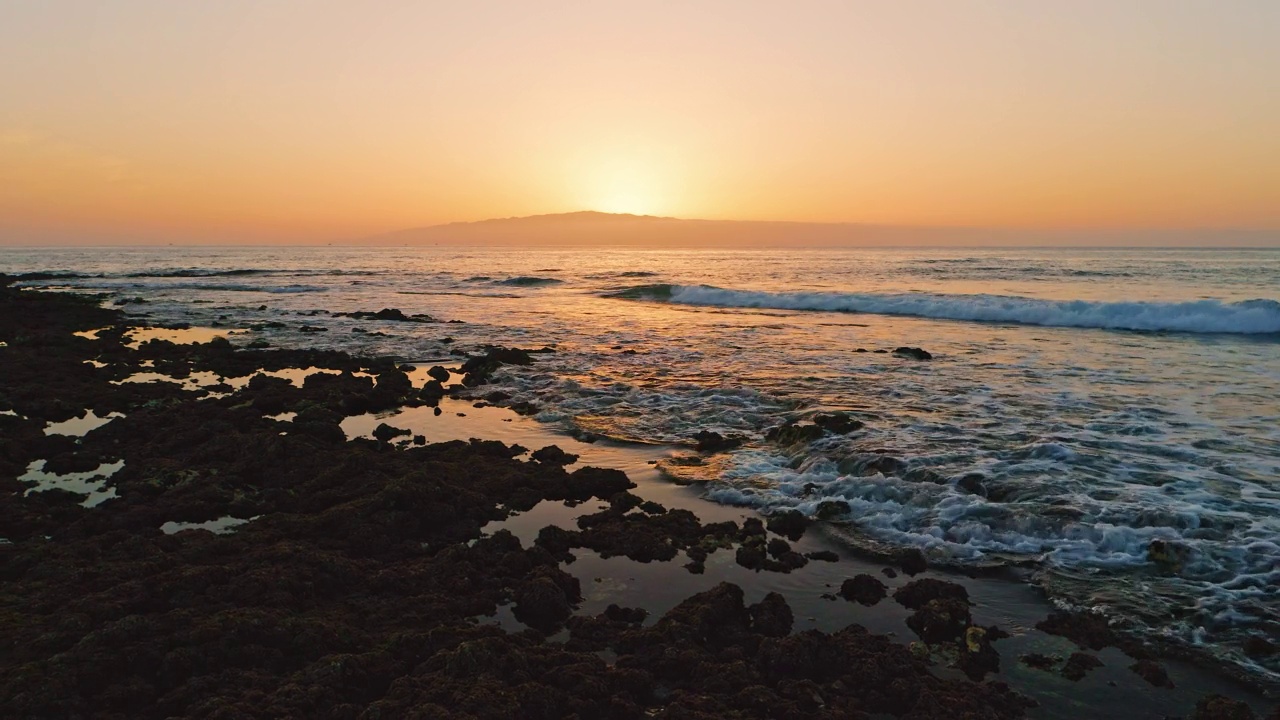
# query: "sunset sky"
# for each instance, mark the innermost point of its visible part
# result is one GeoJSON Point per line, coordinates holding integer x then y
{"type": "Point", "coordinates": [311, 121]}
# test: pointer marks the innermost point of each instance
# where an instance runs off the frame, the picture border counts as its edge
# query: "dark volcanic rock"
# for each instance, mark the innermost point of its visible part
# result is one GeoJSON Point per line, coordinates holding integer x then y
{"type": "Point", "coordinates": [389, 314]}
{"type": "Point", "coordinates": [977, 657]}
{"type": "Point", "coordinates": [709, 441]}
{"type": "Point", "coordinates": [863, 589]}
{"type": "Point", "coordinates": [1152, 672]}
{"type": "Point", "coordinates": [914, 353]}
{"type": "Point", "coordinates": [1084, 629]}
{"type": "Point", "coordinates": [940, 620]}
{"type": "Point", "coordinates": [1079, 665]}
{"type": "Point", "coordinates": [386, 433]}
{"type": "Point", "coordinates": [912, 561]}
{"type": "Point", "coordinates": [828, 509]}
{"type": "Point", "coordinates": [771, 616]}
{"type": "Point", "coordinates": [792, 433]}
{"type": "Point", "coordinates": [553, 455]}
{"type": "Point", "coordinates": [1217, 707]}
{"type": "Point", "coordinates": [1040, 661]}
{"type": "Point", "coordinates": [916, 593]}
{"type": "Point", "coordinates": [542, 604]}
{"type": "Point", "coordinates": [790, 524]}
{"type": "Point", "coordinates": [837, 422]}
{"type": "Point", "coordinates": [438, 373]}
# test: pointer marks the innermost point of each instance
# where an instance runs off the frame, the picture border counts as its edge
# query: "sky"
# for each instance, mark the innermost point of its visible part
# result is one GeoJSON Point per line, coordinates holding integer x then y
{"type": "Point", "coordinates": [290, 121]}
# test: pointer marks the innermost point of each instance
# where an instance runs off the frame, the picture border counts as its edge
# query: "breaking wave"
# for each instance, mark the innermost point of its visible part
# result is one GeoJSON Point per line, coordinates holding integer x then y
{"type": "Point", "coordinates": [1249, 317]}
{"type": "Point", "coordinates": [529, 281]}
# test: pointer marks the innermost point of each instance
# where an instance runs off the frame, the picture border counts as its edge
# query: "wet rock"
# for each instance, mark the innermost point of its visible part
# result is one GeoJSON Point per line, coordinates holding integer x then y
{"type": "Point", "coordinates": [386, 433]}
{"type": "Point", "coordinates": [977, 657]}
{"type": "Point", "coordinates": [630, 616]}
{"type": "Point", "coordinates": [1256, 647]}
{"type": "Point", "coordinates": [1087, 630]}
{"type": "Point", "coordinates": [839, 423]}
{"type": "Point", "coordinates": [863, 589]}
{"type": "Point", "coordinates": [1039, 661]}
{"type": "Point", "coordinates": [1169, 556]}
{"type": "Point", "coordinates": [388, 314]}
{"type": "Point", "coordinates": [1078, 665]}
{"type": "Point", "coordinates": [477, 370]}
{"type": "Point", "coordinates": [823, 556]}
{"type": "Point", "coordinates": [828, 509]}
{"type": "Point", "coordinates": [940, 621]}
{"type": "Point", "coordinates": [790, 524]}
{"type": "Point", "coordinates": [973, 483]}
{"type": "Point", "coordinates": [1152, 672]}
{"type": "Point", "coordinates": [771, 616]}
{"type": "Point", "coordinates": [438, 373]}
{"type": "Point", "coordinates": [1218, 707]}
{"type": "Point", "coordinates": [751, 556]}
{"type": "Point", "coordinates": [542, 604]}
{"type": "Point", "coordinates": [912, 561]}
{"type": "Point", "coordinates": [913, 353]}
{"type": "Point", "coordinates": [792, 433]}
{"type": "Point", "coordinates": [778, 547]}
{"type": "Point", "coordinates": [917, 593]}
{"type": "Point", "coordinates": [708, 441]}
{"type": "Point", "coordinates": [553, 455]}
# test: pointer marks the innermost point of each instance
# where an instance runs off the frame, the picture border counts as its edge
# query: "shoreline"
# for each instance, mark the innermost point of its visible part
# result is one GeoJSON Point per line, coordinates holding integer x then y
{"type": "Point", "coordinates": [360, 532]}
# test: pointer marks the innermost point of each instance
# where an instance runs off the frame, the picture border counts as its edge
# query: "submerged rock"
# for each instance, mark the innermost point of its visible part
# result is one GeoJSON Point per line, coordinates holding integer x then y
{"type": "Point", "coordinates": [388, 314]}
{"type": "Point", "coordinates": [1078, 665]}
{"type": "Point", "coordinates": [1218, 707]}
{"type": "Point", "coordinates": [839, 423]}
{"type": "Point", "coordinates": [708, 441]}
{"type": "Point", "coordinates": [914, 353]}
{"type": "Point", "coordinates": [1152, 672]}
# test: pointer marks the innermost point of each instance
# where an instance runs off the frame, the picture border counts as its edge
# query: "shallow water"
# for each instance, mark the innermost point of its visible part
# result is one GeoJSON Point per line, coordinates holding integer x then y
{"type": "Point", "coordinates": [1108, 398]}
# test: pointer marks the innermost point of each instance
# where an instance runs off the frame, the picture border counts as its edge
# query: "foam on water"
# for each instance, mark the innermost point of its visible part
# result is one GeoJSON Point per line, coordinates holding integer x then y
{"type": "Point", "coordinates": [1260, 316]}
{"type": "Point", "coordinates": [1030, 438]}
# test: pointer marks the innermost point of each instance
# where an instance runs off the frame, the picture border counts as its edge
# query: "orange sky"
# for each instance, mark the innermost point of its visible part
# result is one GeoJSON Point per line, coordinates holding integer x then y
{"type": "Point", "coordinates": [238, 121]}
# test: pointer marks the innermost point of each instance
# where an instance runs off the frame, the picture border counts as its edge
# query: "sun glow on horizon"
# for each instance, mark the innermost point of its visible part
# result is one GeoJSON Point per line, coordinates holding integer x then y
{"type": "Point", "coordinates": [221, 122]}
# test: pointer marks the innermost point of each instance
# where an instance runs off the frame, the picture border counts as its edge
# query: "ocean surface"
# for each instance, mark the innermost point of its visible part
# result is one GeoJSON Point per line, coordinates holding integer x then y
{"type": "Point", "coordinates": [1080, 404]}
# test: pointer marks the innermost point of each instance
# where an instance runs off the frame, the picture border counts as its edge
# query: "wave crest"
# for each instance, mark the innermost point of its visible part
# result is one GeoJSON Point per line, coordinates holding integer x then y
{"type": "Point", "coordinates": [1251, 317]}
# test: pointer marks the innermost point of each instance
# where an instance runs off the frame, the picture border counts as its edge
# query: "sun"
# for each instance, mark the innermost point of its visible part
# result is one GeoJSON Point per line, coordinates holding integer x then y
{"type": "Point", "coordinates": [632, 204]}
{"type": "Point", "coordinates": [622, 183]}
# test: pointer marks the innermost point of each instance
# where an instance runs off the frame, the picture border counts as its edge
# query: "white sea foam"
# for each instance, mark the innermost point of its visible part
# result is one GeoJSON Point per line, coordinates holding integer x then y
{"type": "Point", "coordinates": [1201, 316]}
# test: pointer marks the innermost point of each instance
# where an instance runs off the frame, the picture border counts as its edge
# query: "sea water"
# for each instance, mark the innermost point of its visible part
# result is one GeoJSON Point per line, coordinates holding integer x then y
{"type": "Point", "coordinates": [1109, 418]}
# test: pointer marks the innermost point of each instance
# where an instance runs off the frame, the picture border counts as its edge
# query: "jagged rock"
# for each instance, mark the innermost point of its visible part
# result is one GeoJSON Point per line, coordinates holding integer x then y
{"type": "Point", "coordinates": [912, 561]}
{"type": "Point", "coordinates": [1218, 707]}
{"type": "Point", "coordinates": [839, 423]}
{"type": "Point", "coordinates": [709, 441]}
{"type": "Point", "coordinates": [863, 589]}
{"type": "Point", "coordinates": [1078, 665]}
{"type": "Point", "coordinates": [553, 455]}
{"type": "Point", "coordinates": [771, 616]}
{"type": "Point", "coordinates": [914, 353]}
{"type": "Point", "coordinates": [386, 433]}
{"type": "Point", "coordinates": [791, 524]}
{"type": "Point", "coordinates": [916, 593]}
{"type": "Point", "coordinates": [1152, 672]}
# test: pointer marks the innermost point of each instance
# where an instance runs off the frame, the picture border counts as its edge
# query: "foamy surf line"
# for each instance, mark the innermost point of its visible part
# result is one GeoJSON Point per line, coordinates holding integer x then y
{"type": "Point", "coordinates": [1248, 317]}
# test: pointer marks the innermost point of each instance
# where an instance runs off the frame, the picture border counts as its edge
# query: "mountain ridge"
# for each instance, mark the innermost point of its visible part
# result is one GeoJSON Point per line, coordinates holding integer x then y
{"type": "Point", "coordinates": [592, 228]}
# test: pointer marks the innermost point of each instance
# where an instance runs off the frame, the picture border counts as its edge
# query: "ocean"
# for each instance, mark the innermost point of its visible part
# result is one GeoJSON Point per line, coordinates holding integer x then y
{"type": "Point", "coordinates": [1107, 420]}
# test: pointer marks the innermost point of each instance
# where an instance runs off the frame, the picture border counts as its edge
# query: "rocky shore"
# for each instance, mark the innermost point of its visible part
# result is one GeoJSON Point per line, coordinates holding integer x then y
{"type": "Point", "coordinates": [224, 551]}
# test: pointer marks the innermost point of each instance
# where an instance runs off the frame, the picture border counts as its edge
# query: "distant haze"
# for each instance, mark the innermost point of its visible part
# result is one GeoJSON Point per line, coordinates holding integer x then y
{"type": "Point", "coordinates": [292, 121]}
{"type": "Point", "coordinates": [596, 229]}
